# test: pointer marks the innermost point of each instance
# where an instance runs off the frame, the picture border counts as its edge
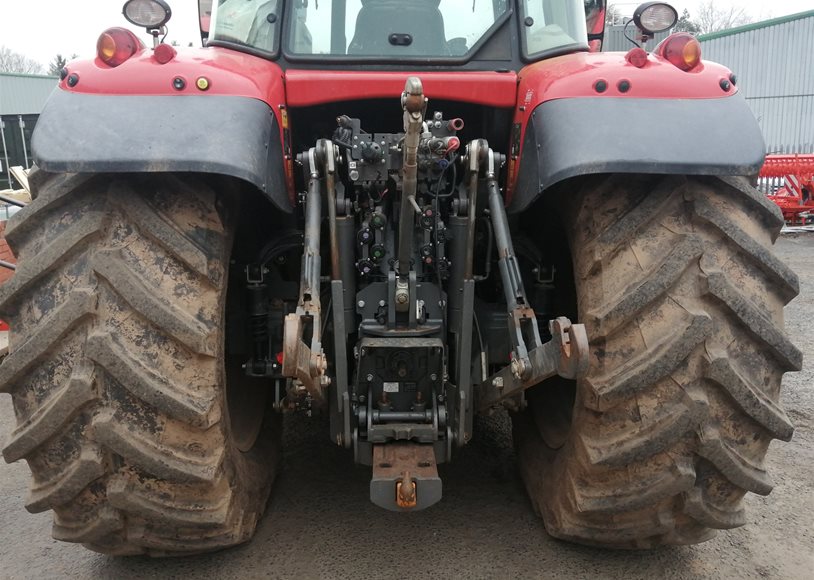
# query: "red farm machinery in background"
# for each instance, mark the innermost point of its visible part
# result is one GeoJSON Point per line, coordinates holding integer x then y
{"type": "Point", "coordinates": [788, 180]}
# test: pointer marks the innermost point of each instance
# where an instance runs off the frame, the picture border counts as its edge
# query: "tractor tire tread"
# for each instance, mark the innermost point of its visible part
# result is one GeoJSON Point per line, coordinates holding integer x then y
{"type": "Point", "coordinates": [115, 366]}
{"type": "Point", "coordinates": [683, 299]}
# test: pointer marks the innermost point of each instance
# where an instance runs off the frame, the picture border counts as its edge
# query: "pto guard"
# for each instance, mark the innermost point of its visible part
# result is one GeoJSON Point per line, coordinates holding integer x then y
{"type": "Point", "coordinates": [570, 137]}
{"type": "Point", "coordinates": [216, 134]}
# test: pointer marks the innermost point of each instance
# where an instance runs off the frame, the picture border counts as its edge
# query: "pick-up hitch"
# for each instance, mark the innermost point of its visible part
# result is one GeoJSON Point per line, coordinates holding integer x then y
{"type": "Point", "coordinates": [405, 477]}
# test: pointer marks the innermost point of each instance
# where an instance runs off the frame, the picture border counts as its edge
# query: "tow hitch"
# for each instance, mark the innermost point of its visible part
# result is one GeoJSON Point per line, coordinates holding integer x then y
{"type": "Point", "coordinates": [405, 477]}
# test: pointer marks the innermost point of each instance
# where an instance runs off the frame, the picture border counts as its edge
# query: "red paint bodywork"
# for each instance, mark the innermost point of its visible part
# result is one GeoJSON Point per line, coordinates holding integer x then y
{"type": "Point", "coordinates": [308, 87]}
{"type": "Point", "coordinates": [565, 77]}
{"type": "Point", "coordinates": [574, 76]}
{"type": "Point", "coordinates": [229, 73]}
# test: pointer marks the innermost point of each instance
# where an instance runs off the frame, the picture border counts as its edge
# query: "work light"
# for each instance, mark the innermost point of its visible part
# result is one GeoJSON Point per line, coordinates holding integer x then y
{"type": "Point", "coordinates": [150, 14]}
{"type": "Point", "coordinates": [654, 17]}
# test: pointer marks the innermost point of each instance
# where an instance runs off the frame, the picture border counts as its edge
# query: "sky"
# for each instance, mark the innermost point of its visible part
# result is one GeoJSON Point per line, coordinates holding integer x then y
{"type": "Point", "coordinates": [40, 29]}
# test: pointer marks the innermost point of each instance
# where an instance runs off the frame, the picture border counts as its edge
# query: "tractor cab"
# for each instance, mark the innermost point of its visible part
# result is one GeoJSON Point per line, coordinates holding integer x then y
{"type": "Point", "coordinates": [425, 32]}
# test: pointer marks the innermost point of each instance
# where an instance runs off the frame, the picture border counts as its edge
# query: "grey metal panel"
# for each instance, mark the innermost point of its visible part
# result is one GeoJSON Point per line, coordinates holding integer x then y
{"type": "Point", "coordinates": [24, 94]}
{"type": "Point", "coordinates": [775, 69]}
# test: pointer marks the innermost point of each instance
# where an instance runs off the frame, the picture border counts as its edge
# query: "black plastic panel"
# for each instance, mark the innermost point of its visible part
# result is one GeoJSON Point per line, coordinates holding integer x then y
{"type": "Point", "coordinates": [570, 137]}
{"type": "Point", "coordinates": [234, 136]}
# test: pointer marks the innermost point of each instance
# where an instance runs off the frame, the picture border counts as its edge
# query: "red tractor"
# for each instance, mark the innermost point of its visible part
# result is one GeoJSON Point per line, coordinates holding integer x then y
{"type": "Point", "coordinates": [398, 215]}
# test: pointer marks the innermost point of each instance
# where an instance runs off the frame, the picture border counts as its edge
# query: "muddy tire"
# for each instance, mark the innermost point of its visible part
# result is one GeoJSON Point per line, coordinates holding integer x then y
{"type": "Point", "coordinates": [683, 301]}
{"type": "Point", "coordinates": [117, 368]}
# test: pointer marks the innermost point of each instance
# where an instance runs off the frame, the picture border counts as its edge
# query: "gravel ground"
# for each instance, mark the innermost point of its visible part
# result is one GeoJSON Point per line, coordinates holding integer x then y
{"type": "Point", "coordinates": [320, 523]}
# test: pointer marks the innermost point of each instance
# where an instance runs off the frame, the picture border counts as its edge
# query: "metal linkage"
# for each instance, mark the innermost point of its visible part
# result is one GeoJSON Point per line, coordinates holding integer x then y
{"type": "Point", "coordinates": [566, 355]}
{"type": "Point", "coordinates": [476, 153]}
{"type": "Point", "coordinates": [523, 329]}
{"type": "Point", "coordinates": [532, 361]}
{"type": "Point", "coordinates": [306, 364]}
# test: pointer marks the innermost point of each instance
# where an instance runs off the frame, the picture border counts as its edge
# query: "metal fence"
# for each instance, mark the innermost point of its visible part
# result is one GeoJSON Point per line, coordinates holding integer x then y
{"type": "Point", "coordinates": [15, 145]}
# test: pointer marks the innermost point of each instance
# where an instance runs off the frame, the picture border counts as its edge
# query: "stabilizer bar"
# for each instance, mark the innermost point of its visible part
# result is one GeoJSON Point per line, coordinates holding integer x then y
{"type": "Point", "coordinates": [305, 363]}
{"type": "Point", "coordinates": [532, 361]}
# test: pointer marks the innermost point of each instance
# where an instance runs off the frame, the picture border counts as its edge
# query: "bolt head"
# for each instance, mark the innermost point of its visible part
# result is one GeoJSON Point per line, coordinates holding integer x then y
{"type": "Point", "coordinates": [361, 304]}
{"type": "Point", "coordinates": [517, 368]}
{"type": "Point", "coordinates": [369, 378]}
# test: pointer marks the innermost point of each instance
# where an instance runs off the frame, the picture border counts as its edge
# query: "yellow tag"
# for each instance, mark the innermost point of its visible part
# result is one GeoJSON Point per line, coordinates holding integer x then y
{"type": "Point", "coordinates": [202, 83]}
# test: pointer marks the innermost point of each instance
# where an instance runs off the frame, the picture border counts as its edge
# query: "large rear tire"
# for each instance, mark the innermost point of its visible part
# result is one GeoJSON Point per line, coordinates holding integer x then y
{"type": "Point", "coordinates": [117, 367]}
{"type": "Point", "coordinates": [683, 302]}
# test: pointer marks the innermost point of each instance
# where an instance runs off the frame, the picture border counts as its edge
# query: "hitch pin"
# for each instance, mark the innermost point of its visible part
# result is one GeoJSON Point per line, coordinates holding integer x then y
{"type": "Point", "coordinates": [411, 199]}
{"type": "Point", "coordinates": [406, 491]}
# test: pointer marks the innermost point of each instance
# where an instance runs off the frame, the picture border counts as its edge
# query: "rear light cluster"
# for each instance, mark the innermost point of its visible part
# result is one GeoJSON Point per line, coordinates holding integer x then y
{"type": "Point", "coordinates": [681, 49]}
{"type": "Point", "coordinates": [637, 57]}
{"type": "Point", "coordinates": [116, 45]}
{"type": "Point", "coordinates": [164, 53]}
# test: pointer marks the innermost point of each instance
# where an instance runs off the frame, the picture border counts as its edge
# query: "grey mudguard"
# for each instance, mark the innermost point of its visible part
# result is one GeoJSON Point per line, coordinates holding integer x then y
{"type": "Point", "coordinates": [235, 136]}
{"type": "Point", "coordinates": [581, 136]}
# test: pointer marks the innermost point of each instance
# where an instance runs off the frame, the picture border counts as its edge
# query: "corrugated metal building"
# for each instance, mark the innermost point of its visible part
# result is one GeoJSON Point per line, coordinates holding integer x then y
{"type": "Point", "coordinates": [774, 62]}
{"type": "Point", "coordinates": [22, 97]}
{"type": "Point", "coordinates": [615, 40]}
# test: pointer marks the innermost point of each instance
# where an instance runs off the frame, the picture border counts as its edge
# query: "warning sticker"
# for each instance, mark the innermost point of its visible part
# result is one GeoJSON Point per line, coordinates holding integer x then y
{"type": "Point", "coordinates": [391, 387]}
